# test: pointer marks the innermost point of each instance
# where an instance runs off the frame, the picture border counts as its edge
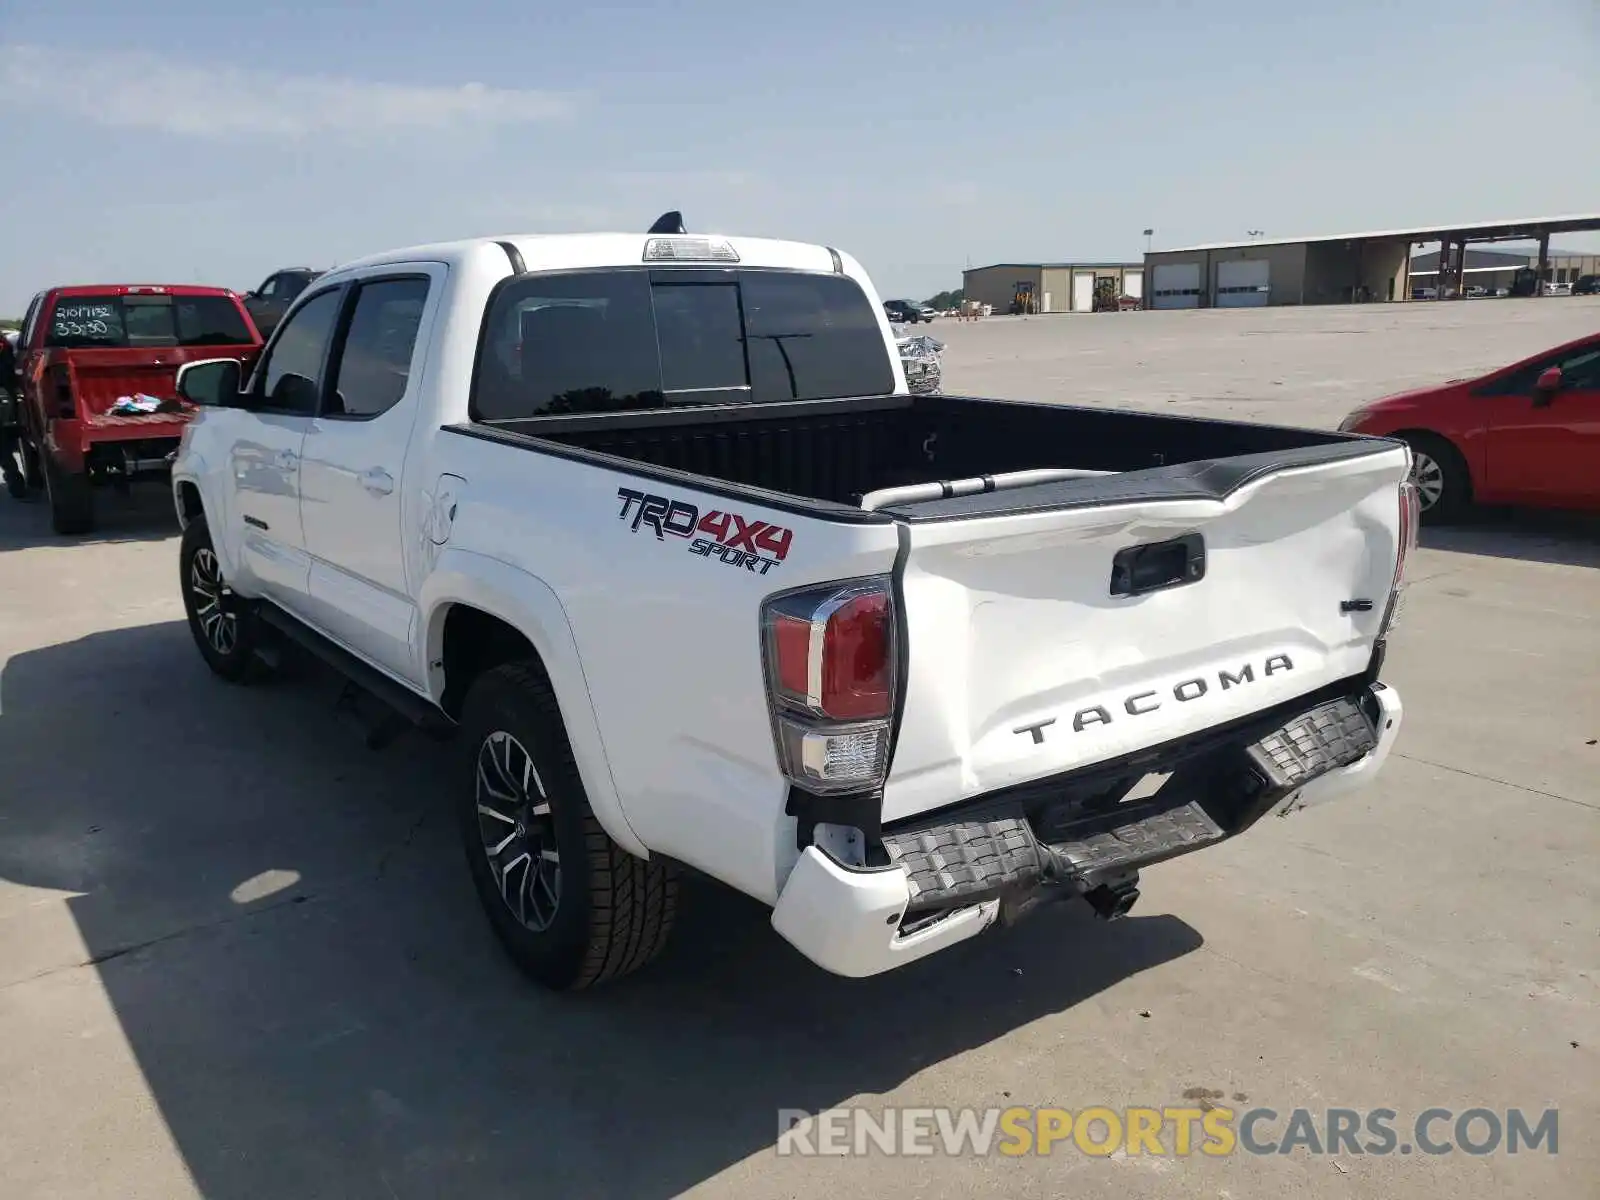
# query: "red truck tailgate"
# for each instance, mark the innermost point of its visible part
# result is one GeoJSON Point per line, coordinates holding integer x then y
{"type": "Point", "coordinates": [101, 377]}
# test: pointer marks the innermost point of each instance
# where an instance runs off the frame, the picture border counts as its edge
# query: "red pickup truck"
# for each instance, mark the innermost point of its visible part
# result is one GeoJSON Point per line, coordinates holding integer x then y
{"type": "Point", "coordinates": [98, 366]}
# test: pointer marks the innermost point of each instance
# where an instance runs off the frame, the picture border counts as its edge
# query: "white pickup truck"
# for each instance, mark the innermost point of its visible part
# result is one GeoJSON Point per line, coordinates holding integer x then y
{"type": "Point", "coordinates": [651, 525]}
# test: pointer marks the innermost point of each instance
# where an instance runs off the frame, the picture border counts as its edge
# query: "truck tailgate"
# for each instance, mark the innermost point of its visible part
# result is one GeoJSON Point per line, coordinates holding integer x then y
{"type": "Point", "coordinates": [97, 385]}
{"type": "Point", "coordinates": [1028, 656]}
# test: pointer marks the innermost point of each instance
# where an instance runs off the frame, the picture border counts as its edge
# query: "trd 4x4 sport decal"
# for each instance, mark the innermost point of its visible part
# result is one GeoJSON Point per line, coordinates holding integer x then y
{"type": "Point", "coordinates": [725, 536]}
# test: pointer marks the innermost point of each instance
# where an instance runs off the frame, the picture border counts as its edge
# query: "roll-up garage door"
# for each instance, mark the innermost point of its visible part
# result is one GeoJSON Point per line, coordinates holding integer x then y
{"type": "Point", "coordinates": [1243, 284]}
{"type": "Point", "coordinates": [1176, 285]}
{"type": "Point", "coordinates": [1133, 284]}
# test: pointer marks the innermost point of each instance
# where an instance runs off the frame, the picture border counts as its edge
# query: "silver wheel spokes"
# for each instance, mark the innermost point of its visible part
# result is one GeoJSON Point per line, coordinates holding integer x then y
{"type": "Point", "coordinates": [518, 835]}
{"type": "Point", "coordinates": [1428, 475]}
{"type": "Point", "coordinates": [217, 620]}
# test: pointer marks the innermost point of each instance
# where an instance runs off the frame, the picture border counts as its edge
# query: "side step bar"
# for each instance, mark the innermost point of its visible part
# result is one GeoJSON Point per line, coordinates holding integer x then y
{"type": "Point", "coordinates": [413, 708]}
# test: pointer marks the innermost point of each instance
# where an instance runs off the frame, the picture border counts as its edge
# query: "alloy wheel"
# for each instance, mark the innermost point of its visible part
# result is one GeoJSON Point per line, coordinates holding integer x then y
{"type": "Point", "coordinates": [519, 836]}
{"type": "Point", "coordinates": [213, 602]}
{"type": "Point", "coordinates": [1428, 475]}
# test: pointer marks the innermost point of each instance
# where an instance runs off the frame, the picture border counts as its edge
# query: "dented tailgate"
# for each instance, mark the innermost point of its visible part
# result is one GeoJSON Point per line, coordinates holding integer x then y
{"type": "Point", "coordinates": [1045, 640]}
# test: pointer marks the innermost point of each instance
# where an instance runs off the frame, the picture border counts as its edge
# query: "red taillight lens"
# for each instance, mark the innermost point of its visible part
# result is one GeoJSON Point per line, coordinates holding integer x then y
{"type": "Point", "coordinates": [830, 672]}
{"type": "Point", "coordinates": [791, 655]}
{"type": "Point", "coordinates": [855, 659]}
{"type": "Point", "coordinates": [831, 651]}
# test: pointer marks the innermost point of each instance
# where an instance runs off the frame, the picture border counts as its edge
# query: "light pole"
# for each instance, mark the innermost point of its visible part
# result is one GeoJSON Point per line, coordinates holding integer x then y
{"type": "Point", "coordinates": [1148, 234]}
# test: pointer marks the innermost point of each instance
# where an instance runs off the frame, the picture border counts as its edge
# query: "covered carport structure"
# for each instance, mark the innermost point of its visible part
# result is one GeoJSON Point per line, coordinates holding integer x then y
{"type": "Point", "coordinates": [1332, 268]}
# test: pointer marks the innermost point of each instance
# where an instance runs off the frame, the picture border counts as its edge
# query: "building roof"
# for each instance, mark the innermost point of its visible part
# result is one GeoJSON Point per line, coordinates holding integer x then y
{"type": "Point", "coordinates": [1057, 266]}
{"type": "Point", "coordinates": [1505, 230]}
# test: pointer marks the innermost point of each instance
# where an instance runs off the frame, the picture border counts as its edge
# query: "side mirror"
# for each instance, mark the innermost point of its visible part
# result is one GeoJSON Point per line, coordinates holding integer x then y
{"type": "Point", "coordinates": [1547, 385]}
{"type": "Point", "coordinates": [210, 383]}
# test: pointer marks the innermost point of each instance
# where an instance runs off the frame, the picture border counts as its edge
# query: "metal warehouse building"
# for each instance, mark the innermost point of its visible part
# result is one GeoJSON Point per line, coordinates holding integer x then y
{"type": "Point", "coordinates": [1054, 287]}
{"type": "Point", "coordinates": [1336, 269]}
{"type": "Point", "coordinates": [1251, 274]}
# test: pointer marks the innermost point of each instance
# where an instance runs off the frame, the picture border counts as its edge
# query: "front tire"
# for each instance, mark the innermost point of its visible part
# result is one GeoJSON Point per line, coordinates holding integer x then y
{"type": "Point", "coordinates": [571, 907]}
{"type": "Point", "coordinates": [1444, 485]}
{"type": "Point", "coordinates": [225, 626]}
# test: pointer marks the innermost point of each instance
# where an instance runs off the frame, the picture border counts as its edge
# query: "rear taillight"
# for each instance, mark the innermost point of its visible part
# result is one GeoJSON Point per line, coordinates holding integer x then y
{"type": "Point", "coordinates": [1410, 518]}
{"type": "Point", "coordinates": [58, 387]}
{"type": "Point", "coordinates": [830, 661]}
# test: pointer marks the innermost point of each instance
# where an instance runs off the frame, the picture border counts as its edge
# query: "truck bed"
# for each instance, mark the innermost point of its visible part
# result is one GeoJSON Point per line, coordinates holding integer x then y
{"type": "Point", "coordinates": [841, 452]}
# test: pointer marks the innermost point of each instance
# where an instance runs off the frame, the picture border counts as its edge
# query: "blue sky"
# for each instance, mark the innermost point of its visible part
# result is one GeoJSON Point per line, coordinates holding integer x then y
{"type": "Point", "coordinates": [917, 135]}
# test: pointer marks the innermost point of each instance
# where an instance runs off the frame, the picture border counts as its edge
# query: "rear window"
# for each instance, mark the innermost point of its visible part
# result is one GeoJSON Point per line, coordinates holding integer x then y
{"type": "Point", "coordinates": [630, 339]}
{"type": "Point", "coordinates": [112, 322]}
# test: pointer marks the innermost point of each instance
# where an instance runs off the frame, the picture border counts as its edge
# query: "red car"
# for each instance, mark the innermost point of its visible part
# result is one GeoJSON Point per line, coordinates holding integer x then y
{"type": "Point", "coordinates": [1527, 434]}
{"type": "Point", "coordinates": [98, 367]}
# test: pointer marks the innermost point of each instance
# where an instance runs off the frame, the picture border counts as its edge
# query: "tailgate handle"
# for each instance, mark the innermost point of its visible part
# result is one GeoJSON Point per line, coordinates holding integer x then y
{"type": "Point", "coordinates": [1157, 565]}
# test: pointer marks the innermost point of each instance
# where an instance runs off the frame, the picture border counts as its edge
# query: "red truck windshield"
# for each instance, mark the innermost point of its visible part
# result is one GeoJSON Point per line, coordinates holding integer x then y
{"type": "Point", "coordinates": [114, 322]}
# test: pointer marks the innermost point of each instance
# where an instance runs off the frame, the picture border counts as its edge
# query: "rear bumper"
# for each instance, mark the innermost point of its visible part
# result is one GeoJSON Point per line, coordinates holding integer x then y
{"type": "Point", "coordinates": [952, 876]}
{"type": "Point", "coordinates": [72, 442]}
{"type": "Point", "coordinates": [1334, 783]}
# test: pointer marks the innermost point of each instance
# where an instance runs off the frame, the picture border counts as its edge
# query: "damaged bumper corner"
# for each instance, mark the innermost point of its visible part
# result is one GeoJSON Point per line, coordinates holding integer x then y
{"type": "Point", "coordinates": [951, 875]}
{"type": "Point", "coordinates": [847, 919]}
{"type": "Point", "coordinates": [1386, 713]}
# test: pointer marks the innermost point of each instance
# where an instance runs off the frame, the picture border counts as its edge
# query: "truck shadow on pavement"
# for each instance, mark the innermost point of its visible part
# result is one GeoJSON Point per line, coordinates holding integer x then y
{"type": "Point", "coordinates": [1560, 538]}
{"type": "Point", "coordinates": [144, 515]}
{"type": "Point", "coordinates": [287, 937]}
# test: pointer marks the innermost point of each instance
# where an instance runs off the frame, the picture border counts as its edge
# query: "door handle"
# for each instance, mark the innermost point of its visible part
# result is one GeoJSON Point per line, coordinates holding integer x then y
{"type": "Point", "coordinates": [377, 481]}
{"type": "Point", "coordinates": [286, 459]}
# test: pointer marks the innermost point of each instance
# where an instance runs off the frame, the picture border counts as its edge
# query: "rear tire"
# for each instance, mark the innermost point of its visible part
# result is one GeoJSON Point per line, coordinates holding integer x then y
{"type": "Point", "coordinates": [71, 499]}
{"type": "Point", "coordinates": [225, 626]}
{"type": "Point", "coordinates": [571, 907]}
{"type": "Point", "coordinates": [32, 475]}
{"type": "Point", "coordinates": [1444, 485]}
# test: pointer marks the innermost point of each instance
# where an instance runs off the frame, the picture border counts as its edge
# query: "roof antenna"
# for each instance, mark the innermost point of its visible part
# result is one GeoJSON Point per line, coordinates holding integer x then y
{"type": "Point", "coordinates": [669, 222]}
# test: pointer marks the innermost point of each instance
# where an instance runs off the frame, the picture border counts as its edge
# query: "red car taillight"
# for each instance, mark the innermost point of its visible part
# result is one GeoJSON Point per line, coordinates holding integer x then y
{"type": "Point", "coordinates": [1410, 518]}
{"type": "Point", "coordinates": [830, 660]}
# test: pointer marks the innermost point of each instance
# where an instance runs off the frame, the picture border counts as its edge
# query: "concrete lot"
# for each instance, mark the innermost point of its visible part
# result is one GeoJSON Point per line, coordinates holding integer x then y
{"type": "Point", "coordinates": [1290, 366]}
{"type": "Point", "coordinates": [239, 955]}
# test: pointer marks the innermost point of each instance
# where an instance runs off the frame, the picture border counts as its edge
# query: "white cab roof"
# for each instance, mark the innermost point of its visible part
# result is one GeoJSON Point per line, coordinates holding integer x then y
{"type": "Point", "coordinates": [554, 252]}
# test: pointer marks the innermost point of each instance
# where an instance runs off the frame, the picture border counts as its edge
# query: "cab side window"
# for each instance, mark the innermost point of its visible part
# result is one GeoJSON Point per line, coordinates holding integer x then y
{"type": "Point", "coordinates": [374, 365]}
{"type": "Point", "coordinates": [290, 380]}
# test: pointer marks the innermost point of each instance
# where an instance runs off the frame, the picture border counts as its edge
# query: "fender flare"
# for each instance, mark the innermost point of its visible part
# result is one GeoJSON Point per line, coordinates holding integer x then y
{"type": "Point", "coordinates": [527, 604]}
{"type": "Point", "coordinates": [179, 479]}
{"type": "Point", "coordinates": [195, 474]}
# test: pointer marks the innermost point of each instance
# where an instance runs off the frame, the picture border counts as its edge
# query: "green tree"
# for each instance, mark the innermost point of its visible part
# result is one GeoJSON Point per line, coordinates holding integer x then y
{"type": "Point", "coordinates": [944, 300]}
